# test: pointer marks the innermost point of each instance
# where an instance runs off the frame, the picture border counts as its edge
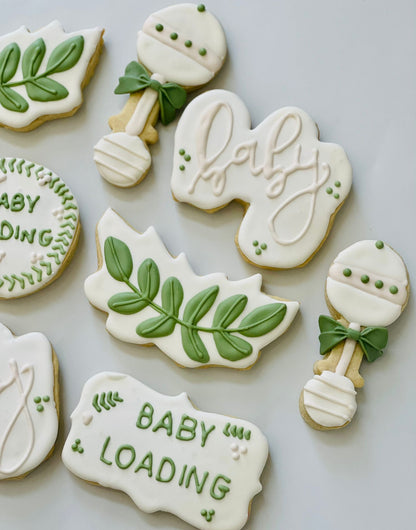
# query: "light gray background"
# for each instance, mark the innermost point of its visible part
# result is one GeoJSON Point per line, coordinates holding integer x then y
{"type": "Point", "coordinates": [351, 66]}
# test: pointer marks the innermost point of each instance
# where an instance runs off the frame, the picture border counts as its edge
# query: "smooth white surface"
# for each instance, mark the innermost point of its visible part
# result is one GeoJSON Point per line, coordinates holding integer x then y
{"type": "Point", "coordinates": [350, 65]}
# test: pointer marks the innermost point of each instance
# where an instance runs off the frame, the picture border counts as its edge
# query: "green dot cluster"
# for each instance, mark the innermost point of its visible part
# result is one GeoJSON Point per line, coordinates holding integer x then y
{"type": "Point", "coordinates": [330, 190]}
{"type": "Point", "coordinates": [76, 447]}
{"type": "Point", "coordinates": [186, 156]}
{"type": "Point", "coordinates": [38, 400]}
{"type": "Point", "coordinates": [174, 35]}
{"type": "Point", "coordinates": [259, 247]}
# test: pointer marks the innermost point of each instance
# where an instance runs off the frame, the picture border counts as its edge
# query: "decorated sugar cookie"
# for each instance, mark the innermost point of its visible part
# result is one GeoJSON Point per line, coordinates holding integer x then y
{"type": "Point", "coordinates": [367, 289]}
{"type": "Point", "coordinates": [42, 74]}
{"type": "Point", "coordinates": [165, 454]}
{"type": "Point", "coordinates": [28, 402]}
{"type": "Point", "coordinates": [179, 48]}
{"type": "Point", "coordinates": [39, 227]}
{"type": "Point", "coordinates": [290, 183]}
{"type": "Point", "coordinates": [153, 298]}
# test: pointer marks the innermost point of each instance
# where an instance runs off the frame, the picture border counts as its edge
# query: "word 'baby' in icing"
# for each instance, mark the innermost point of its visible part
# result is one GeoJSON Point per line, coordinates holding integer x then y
{"type": "Point", "coordinates": [368, 286]}
{"type": "Point", "coordinates": [42, 73]}
{"type": "Point", "coordinates": [28, 428]}
{"type": "Point", "coordinates": [38, 226]}
{"type": "Point", "coordinates": [165, 454]}
{"type": "Point", "coordinates": [151, 297]}
{"type": "Point", "coordinates": [292, 183]}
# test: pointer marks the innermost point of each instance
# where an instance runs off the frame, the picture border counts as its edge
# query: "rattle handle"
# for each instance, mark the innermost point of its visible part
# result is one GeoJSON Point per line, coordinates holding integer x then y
{"type": "Point", "coordinates": [347, 352]}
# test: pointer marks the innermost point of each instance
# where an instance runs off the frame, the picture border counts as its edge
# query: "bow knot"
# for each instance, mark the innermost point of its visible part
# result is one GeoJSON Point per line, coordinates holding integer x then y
{"type": "Point", "coordinates": [171, 96]}
{"type": "Point", "coordinates": [372, 340]}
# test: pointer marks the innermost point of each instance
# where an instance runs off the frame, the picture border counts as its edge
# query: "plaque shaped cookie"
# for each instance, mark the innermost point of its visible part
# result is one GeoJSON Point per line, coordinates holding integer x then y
{"type": "Point", "coordinates": [180, 48]}
{"type": "Point", "coordinates": [367, 289]}
{"type": "Point", "coordinates": [289, 182]}
{"type": "Point", "coordinates": [28, 402]}
{"type": "Point", "coordinates": [153, 298]}
{"type": "Point", "coordinates": [39, 227]}
{"type": "Point", "coordinates": [166, 455]}
{"type": "Point", "coordinates": [42, 74]}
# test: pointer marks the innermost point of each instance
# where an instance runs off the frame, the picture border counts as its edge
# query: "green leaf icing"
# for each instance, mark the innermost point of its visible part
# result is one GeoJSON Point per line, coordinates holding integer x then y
{"type": "Point", "coordinates": [231, 347]}
{"type": "Point", "coordinates": [118, 259]}
{"type": "Point", "coordinates": [262, 320]}
{"type": "Point", "coordinates": [9, 61]}
{"type": "Point", "coordinates": [148, 278]}
{"type": "Point", "coordinates": [127, 303]}
{"type": "Point", "coordinates": [193, 345]}
{"type": "Point", "coordinates": [199, 305]}
{"type": "Point", "coordinates": [65, 55]}
{"type": "Point", "coordinates": [46, 89]}
{"type": "Point", "coordinates": [229, 310]}
{"type": "Point", "coordinates": [11, 100]}
{"type": "Point", "coordinates": [33, 57]}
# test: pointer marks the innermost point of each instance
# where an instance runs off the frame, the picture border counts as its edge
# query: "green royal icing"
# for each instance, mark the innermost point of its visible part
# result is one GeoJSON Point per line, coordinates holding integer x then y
{"type": "Point", "coordinates": [258, 251]}
{"type": "Point", "coordinates": [255, 243]}
{"type": "Point", "coordinates": [173, 36]}
{"type": "Point", "coordinates": [337, 184]}
{"type": "Point", "coordinates": [187, 158]}
{"type": "Point", "coordinates": [188, 43]}
{"type": "Point", "coordinates": [329, 190]}
{"type": "Point", "coordinates": [379, 244]}
{"type": "Point", "coordinates": [394, 289]}
{"type": "Point", "coordinates": [159, 27]}
{"type": "Point", "coordinates": [336, 195]}
{"type": "Point", "coordinates": [181, 152]}
{"type": "Point", "coordinates": [37, 399]}
{"type": "Point", "coordinates": [201, 8]}
{"type": "Point", "coordinates": [40, 408]}
{"type": "Point", "coordinates": [202, 51]}
{"type": "Point", "coordinates": [365, 278]}
{"type": "Point", "coordinates": [106, 400]}
{"type": "Point", "coordinates": [182, 167]}
{"type": "Point", "coordinates": [347, 272]}
{"type": "Point", "coordinates": [257, 323]}
{"type": "Point", "coordinates": [379, 284]}
{"type": "Point", "coordinates": [263, 246]}
{"type": "Point", "coordinates": [208, 515]}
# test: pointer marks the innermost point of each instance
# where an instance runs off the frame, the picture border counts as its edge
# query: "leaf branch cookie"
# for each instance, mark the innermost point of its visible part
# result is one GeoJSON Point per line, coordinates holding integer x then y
{"type": "Point", "coordinates": [29, 402]}
{"type": "Point", "coordinates": [367, 288]}
{"type": "Point", "coordinates": [151, 297]}
{"type": "Point", "coordinates": [290, 183]}
{"type": "Point", "coordinates": [42, 74]}
{"type": "Point", "coordinates": [165, 454]}
{"type": "Point", "coordinates": [179, 48]}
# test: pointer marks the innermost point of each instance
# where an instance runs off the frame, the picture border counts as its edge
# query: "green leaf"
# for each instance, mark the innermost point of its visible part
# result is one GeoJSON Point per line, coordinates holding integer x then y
{"type": "Point", "coordinates": [230, 347]}
{"type": "Point", "coordinates": [45, 89]}
{"type": "Point", "coordinates": [228, 310]}
{"type": "Point", "coordinates": [32, 58]}
{"type": "Point", "coordinates": [118, 259]}
{"type": "Point", "coordinates": [161, 326]}
{"type": "Point", "coordinates": [11, 100]}
{"type": "Point", "coordinates": [172, 296]}
{"type": "Point", "coordinates": [65, 55]}
{"type": "Point", "coordinates": [193, 345]}
{"type": "Point", "coordinates": [128, 85]}
{"type": "Point", "coordinates": [199, 305]}
{"type": "Point", "coordinates": [262, 320]}
{"type": "Point", "coordinates": [127, 303]}
{"type": "Point", "coordinates": [148, 278]}
{"type": "Point", "coordinates": [9, 61]}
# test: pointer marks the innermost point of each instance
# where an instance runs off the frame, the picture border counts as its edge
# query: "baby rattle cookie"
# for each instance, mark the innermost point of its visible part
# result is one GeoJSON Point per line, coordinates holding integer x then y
{"type": "Point", "coordinates": [29, 402]}
{"type": "Point", "coordinates": [154, 298]}
{"type": "Point", "coordinates": [289, 182]}
{"type": "Point", "coordinates": [164, 453]}
{"type": "Point", "coordinates": [367, 288]}
{"type": "Point", "coordinates": [179, 48]}
{"type": "Point", "coordinates": [39, 227]}
{"type": "Point", "coordinates": [42, 74]}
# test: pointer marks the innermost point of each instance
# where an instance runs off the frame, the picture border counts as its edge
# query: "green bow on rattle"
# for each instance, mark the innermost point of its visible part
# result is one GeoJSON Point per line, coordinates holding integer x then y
{"type": "Point", "coordinates": [372, 340]}
{"type": "Point", "coordinates": [171, 96]}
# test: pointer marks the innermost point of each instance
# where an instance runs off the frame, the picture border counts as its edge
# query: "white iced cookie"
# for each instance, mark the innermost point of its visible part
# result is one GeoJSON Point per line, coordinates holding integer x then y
{"type": "Point", "coordinates": [367, 288]}
{"type": "Point", "coordinates": [291, 184]}
{"type": "Point", "coordinates": [165, 454]}
{"type": "Point", "coordinates": [39, 227]}
{"type": "Point", "coordinates": [180, 47]}
{"type": "Point", "coordinates": [152, 297]}
{"type": "Point", "coordinates": [28, 402]}
{"type": "Point", "coordinates": [42, 74]}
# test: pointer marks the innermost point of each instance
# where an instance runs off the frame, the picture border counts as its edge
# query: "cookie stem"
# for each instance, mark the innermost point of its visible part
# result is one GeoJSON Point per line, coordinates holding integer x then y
{"type": "Point", "coordinates": [137, 122]}
{"type": "Point", "coordinates": [347, 352]}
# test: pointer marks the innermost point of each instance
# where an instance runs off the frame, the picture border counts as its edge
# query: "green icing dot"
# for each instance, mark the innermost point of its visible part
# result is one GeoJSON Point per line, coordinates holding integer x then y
{"type": "Point", "coordinates": [201, 8]}
{"type": "Point", "coordinates": [365, 278]}
{"type": "Point", "coordinates": [77, 441]}
{"type": "Point", "coordinates": [337, 184]}
{"type": "Point", "coordinates": [37, 399]}
{"type": "Point", "coordinates": [255, 243]}
{"type": "Point", "coordinates": [173, 36]}
{"type": "Point", "coordinates": [187, 158]}
{"type": "Point", "coordinates": [188, 43]}
{"type": "Point", "coordinates": [329, 191]}
{"type": "Point", "coordinates": [336, 195]}
{"type": "Point", "coordinates": [40, 408]}
{"type": "Point", "coordinates": [80, 450]}
{"type": "Point", "coordinates": [263, 246]}
{"type": "Point", "coordinates": [182, 167]}
{"type": "Point", "coordinates": [347, 272]}
{"type": "Point", "coordinates": [46, 398]}
{"type": "Point", "coordinates": [258, 251]}
{"type": "Point", "coordinates": [379, 284]}
{"type": "Point", "coordinates": [394, 289]}
{"type": "Point", "coordinates": [181, 152]}
{"type": "Point", "coordinates": [379, 244]}
{"type": "Point", "coordinates": [202, 51]}
{"type": "Point", "coordinates": [74, 447]}
{"type": "Point", "coordinates": [159, 27]}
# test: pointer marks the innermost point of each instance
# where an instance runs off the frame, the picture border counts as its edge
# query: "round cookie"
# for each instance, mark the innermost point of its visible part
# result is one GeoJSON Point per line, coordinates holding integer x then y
{"type": "Point", "coordinates": [39, 227]}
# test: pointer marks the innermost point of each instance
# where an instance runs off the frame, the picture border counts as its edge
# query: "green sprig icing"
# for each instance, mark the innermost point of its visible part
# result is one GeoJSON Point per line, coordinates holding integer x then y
{"type": "Point", "coordinates": [39, 86]}
{"type": "Point", "coordinates": [230, 346]}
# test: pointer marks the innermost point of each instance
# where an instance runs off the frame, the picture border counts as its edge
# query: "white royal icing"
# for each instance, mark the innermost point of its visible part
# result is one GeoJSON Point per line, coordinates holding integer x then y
{"type": "Point", "coordinates": [27, 434]}
{"type": "Point", "coordinates": [170, 57]}
{"type": "Point", "coordinates": [53, 34]}
{"type": "Point", "coordinates": [122, 431]}
{"type": "Point", "coordinates": [279, 169]}
{"type": "Point", "coordinates": [38, 223]}
{"type": "Point", "coordinates": [363, 302]}
{"type": "Point", "coordinates": [329, 399]}
{"type": "Point", "coordinates": [101, 286]}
